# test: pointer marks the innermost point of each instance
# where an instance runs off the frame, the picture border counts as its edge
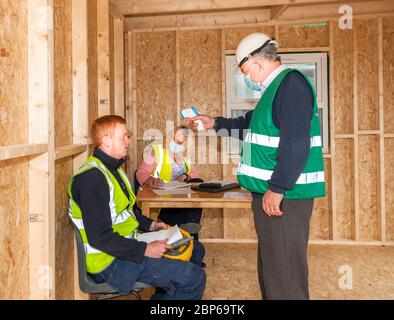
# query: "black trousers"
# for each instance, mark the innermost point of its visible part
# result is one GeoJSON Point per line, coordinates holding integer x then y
{"type": "Point", "coordinates": [282, 249]}
{"type": "Point", "coordinates": [173, 216]}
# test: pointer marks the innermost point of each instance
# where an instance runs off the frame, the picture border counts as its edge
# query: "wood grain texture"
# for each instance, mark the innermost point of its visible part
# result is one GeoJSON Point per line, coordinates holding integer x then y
{"type": "Point", "coordinates": [156, 83]}
{"type": "Point", "coordinates": [14, 230]}
{"type": "Point", "coordinates": [92, 60]}
{"type": "Point", "coordinates": [369, 181]}
{"type": "Point", "coordinates": [343, 81]}
{"type": "Point", "coordinates": [367, 74]}
{"type": "Point", "coordinates": [299, 35]}
{"type": "Point", "coordinates": [389, 187]}
{"type": "Point", "coordinates": [200, 71]}
{"type": "Point", "coordinates": [234, 35]}
{"type": "Point", "coordinates": [13, 73]}
{"type": "Point", "coordinates": [372, 271]}
{"type": "Point", "coordinates": [63, 72]}
{"type": "Point", "coordinates": [344, 188]}
{"type": "Point", "coordinates": [388, 74]}
{"type": "Point", "coordinates": [320, 221]}
{"type": "Point", "coordinates": [64, 232]}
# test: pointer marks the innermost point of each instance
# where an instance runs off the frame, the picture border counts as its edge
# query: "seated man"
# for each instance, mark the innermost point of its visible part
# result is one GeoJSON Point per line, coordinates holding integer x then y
{"type": "Point", "coordinates": [102, 207]}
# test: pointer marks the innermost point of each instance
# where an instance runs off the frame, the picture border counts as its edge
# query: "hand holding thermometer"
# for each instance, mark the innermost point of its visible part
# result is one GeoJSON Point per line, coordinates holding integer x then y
{"type": "Point", "coordinates": [190, 113]}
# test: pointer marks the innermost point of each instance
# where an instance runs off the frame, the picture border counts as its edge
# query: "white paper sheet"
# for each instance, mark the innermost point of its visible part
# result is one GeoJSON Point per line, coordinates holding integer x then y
{"type": "Point", "coordinates": [172, 234]}
{"type": "Point", "coordinates": [173, 185]}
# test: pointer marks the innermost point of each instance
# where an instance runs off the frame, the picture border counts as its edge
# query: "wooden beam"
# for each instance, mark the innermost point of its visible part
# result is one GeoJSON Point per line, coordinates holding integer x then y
{"type": "Point", "coordinates": [382, 187]}
{"type": "Point", "coordinates": [103, 55]}
{"type": "Point", "coordinates": [356, 218]}
{"type": "Point", "coordinates": [70, 150]}
{"type": "Point", "coordinates": [276, 11]}
{"type": "Point", "coordinates": [41, 168]}
{"type": "Point", "coordinates": [333, 206]}
{"type": "Point", "coordinates": [119, 83]}
{"type": "Point", "coordinates": [22, 150]}
{"type": "Point", "coordinates": [114, 9]}
{"type": "Point", "coordinates": [156, 7]}
{"type": "Point", "coordinates": [80, 148]}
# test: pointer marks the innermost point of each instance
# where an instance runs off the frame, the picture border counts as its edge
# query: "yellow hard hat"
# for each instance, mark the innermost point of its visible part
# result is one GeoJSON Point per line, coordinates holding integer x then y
{"type": "Point", "coordinates": [183, 252]}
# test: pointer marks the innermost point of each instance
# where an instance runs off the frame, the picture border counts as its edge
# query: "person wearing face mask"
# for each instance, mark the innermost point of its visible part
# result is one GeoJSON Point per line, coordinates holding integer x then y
{"type": "Point", "coordinates": [167, 164]}
{"type": "Point", "coordinates": [281, 164]}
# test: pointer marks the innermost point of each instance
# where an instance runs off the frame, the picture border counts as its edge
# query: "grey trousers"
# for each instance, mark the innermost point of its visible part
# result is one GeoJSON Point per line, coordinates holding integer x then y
{"type": "Point", "coordinates": [282, 249]}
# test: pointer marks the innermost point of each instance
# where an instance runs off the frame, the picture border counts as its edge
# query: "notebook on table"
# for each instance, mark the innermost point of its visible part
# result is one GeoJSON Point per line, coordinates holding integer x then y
{"type": "Point", "coordinates": [215, 186]}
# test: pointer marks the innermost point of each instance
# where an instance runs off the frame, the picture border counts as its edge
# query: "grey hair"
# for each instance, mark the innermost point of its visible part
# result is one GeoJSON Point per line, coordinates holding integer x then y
{"type": "Point", "coordinates": [269, 53]}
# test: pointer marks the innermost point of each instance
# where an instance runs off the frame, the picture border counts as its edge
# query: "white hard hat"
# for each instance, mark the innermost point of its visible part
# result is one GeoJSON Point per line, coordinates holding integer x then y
{"type": "Point", "coordinates": [250, 45]}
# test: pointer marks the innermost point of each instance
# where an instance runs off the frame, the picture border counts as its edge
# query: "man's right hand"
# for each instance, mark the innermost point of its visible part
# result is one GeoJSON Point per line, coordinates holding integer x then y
{"type": "Point", "coordinates": [207, 121]}
{"type": "Point", "coordinates": [155, 249]}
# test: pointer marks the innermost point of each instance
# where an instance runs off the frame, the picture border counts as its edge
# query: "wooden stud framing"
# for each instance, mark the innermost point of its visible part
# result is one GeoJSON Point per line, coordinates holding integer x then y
{"type": "Point", "coordinates": [178, 79]}
{"type": "Point", "coordinates": [80, 103]}
{"type": "Point", "coordinates": [104, 103]}
{"type": "Point", "coordinates": [41, 168]}
{"type": "Point", "coordinates": [134, 98]}
{"type": "Point", "coordinates": [333, 220]}
{"type": "Point", "coordinates": [381, 192]}
{"type": "Point", "coordinates": [356, 221]}
{"type": "Point", "coordinates": [129, 106]}
{"type": "Point", "coordinates": [276, 11]}
{"type": "Point", "coordinates": [119, 77]}
{"type": "Point", "coordinates": [22, 150]}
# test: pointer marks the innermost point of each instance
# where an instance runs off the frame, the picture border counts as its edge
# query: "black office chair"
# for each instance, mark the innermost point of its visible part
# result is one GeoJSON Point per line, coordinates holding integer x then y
{"type": "Point", "coordinates": [88, 285]}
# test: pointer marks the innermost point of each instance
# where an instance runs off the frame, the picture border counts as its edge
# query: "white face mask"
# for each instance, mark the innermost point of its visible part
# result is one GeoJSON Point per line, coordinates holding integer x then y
{"type": "Point", "coordinates": [176, 148]}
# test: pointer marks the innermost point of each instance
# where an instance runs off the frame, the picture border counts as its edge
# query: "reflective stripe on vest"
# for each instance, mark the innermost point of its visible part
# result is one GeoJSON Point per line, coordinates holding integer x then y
{"type": "Point", "coordinates": [305, 178]}
{"type": "Point", "coordinates": [273, 142]}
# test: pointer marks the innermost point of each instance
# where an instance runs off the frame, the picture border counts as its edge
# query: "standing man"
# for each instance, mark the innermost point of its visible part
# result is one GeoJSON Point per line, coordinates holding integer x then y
{"type": "Point", "coordinates": [281, 164]}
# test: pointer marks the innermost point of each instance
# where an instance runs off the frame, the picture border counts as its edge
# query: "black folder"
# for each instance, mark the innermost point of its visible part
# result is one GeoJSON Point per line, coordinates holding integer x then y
{"type": "Point", "coordinates": [215, 187]}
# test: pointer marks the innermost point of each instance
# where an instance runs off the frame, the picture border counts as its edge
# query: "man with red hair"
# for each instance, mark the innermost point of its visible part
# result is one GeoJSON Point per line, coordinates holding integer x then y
{"type": "Point", "coordinates": [103, 208]}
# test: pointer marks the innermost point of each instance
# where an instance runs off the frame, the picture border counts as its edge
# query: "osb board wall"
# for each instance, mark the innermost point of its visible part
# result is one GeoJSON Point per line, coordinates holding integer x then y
{"type": "Point", "coordinates": [303, 36]}
{"type": "Point", "coordinates": [388, 73]}
{"type": "Point", "coordinates": [63, 72]}
{"type": "Point", "coordinates": [14, 184]}
{"type": "Point", "coordinates": [64, 234]}
{"type": "Point", "coordinates": [367, 77]}
{"type": "Point", "coordinates": [372, 272]}
{"type": "Point", "coordinates": [13, 73]}
{"type": "Point", "coordinates": [200, 70]}
{"type": "Point", "coordinates": [14, 229]}
{"type": "Point", "coordinates": [343, 193]}
{"type": "Point", "coordinates": [368, 177]}
{"type": "Point", "coordinates": [320, 221]}
{"type": "Point", "coordinates": [156, 80]}
{"type": "Point", "coordinates": [389, 186]}
{"type": "Point", "coordinates": [92, 60]}
{"type": "Point", "coordinates": [343, 81]}
{"type": "Point", "coordinates": [233, 36]}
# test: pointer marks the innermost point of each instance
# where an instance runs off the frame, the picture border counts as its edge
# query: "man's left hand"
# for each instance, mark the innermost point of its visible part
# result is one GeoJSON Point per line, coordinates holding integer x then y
{"type": "Point", "coordinates": [271, 203]}
{"type": "Point", "coordinates": [155, 226]}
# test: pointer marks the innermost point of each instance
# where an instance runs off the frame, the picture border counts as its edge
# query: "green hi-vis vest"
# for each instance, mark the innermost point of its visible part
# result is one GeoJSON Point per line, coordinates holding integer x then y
{"type": "Point", "coordinates": [123, 218]}
{"type": "Point", "coordinates": [163, 168]}
{"type": "Point", "coordinates": [260, 147]}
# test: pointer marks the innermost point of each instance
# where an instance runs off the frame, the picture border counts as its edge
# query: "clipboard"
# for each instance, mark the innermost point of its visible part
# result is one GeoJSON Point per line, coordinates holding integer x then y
{"type": "Point", "coordinates": [214, 188]}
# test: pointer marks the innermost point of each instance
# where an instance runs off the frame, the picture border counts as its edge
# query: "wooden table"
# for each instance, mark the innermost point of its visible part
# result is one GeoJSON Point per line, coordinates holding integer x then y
{"type": "Point", "coordinates": [151, 202]}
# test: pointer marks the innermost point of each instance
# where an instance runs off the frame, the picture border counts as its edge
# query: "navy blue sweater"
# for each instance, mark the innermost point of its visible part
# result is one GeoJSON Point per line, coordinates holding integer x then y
{"type": "Point", "coordinates": [292, 113]}
{"type": "Point", "coordinates": [90, 191]}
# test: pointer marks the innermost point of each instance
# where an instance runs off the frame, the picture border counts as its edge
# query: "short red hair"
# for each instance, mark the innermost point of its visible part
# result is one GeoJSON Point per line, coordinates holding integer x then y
{"type": "Point", "coordinates": [104, 126]}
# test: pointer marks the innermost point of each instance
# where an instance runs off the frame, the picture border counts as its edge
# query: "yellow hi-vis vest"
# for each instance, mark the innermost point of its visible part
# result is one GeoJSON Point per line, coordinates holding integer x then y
{"type": "Point", "coordinates": [163, 168]}
{"type": "Point", "coordinates": [122, 216]}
